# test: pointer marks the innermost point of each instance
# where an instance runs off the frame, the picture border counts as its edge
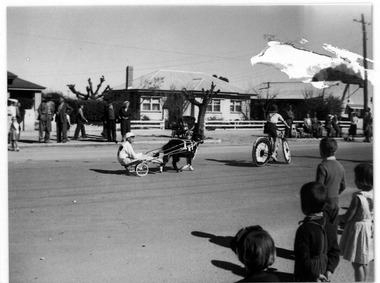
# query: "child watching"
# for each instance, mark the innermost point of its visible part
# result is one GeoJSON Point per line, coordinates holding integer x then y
{"type": "Point", "coordinates": [356, 242]}
{"type": "Point", "coordinates": [256, 250]}
{"type": "Point", "coordinates": [315, 247]}
{"type": "Point", "coordinates": [14, 134]}
{"type": "Point", "coordinates": [331, 174]}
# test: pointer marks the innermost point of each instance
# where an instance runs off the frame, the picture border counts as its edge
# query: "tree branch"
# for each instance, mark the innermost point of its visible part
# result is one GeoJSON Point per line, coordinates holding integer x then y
{"type": "Point", "coordinates": [190, 96]}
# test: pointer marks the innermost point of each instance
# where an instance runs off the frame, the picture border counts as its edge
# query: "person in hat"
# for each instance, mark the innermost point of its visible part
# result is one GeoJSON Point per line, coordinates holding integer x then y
{"type": "Point", "coordinates": [126, 155]}
{"type": "Point", "coordinates": [272, 119]}
{"type": "Point", "coordinates": [125, 122]}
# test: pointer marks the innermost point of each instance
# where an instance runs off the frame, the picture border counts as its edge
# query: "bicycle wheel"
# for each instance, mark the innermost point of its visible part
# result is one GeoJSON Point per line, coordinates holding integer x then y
{"type": "Point", "coordinates": [260, 151]}
{"type": "Point", "coordinates": [142, 169]}
{"type": "Point", "coordinates": [286, 151]}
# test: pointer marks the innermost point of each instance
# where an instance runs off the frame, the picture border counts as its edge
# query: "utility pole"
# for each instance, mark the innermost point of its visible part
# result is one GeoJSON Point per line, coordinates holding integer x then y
{"type": "Point", "coordinates": [365, 86]}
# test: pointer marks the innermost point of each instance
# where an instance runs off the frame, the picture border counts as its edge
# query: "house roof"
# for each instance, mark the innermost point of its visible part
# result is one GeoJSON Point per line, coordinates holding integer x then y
{"type": "Point", "coordinates": [296, 89]}
{"type": "Point", "coordinates": [177, 80]}
{"type": "Point", "coordinates": [20, 84]}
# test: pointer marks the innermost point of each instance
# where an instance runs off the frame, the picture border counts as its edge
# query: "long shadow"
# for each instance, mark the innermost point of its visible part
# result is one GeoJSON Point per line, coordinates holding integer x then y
{"type": "Point", "coordinates": [234, 268]}
{"type": "Point", "coordinates": [238, 163]}
{"type": "Point", "coordinates": [112, 172]}
{"type": "Point", "coordinates": [224, 241]}
{"type": "Point", "coordinates": [243, 163]}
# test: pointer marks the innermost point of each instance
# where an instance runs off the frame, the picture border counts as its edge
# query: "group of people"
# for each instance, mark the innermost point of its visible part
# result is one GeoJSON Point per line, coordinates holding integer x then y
{"type": "Point", "coordinates": [14, 120]}
{"type": "Point", "coordinates": [317, 250]}
{"type": "Point", "coordinates": [314, 127]}
{"type": "Point", "coordinates": [47, 111]}
{"type": "Point", "coordinates": [110, 118]}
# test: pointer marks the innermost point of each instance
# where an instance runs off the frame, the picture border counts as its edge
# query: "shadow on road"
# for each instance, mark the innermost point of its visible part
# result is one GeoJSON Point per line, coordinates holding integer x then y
{"type": "Point", "coordinates": [224, 241]}
{"type": "Point", "coordinates": [113, 172]}
{"type": "Point", "coordinates": [234, 268]}
{"type": "Point", "coordinates": [238, 163]}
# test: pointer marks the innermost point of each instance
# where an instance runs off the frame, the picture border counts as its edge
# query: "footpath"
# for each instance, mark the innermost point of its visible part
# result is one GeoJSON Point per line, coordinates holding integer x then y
{"type": "Point", "coordinates": [151, 136]}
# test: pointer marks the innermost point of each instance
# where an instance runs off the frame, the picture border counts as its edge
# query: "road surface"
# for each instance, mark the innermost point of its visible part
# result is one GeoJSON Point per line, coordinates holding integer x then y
{"type": "Point", "coordinates": [74, 216]}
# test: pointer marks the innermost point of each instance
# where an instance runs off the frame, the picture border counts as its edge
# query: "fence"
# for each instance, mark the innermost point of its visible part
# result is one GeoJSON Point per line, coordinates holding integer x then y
{"type": "Point", "coordinates": [254, 124]}
{"type": "Point", "coordinates": [139, 124]}
{"type": "Point", "coordinates": [211, 125]}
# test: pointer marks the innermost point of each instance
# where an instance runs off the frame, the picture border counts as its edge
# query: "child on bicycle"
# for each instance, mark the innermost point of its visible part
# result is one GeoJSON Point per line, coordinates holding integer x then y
{"type": "Point", "coordinates": [272, 118]}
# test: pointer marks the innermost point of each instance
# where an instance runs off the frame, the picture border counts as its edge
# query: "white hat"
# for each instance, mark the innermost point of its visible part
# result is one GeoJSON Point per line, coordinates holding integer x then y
{"type": "Point", "coordinates": [129, 135]}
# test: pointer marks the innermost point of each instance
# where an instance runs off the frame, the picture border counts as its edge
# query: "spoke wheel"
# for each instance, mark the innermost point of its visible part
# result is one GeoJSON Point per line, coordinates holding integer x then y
{"type": "Point", "coordinates": [286, 151]}
{"type": "Point", "coordinates": [260, 151]}
{"type": "Point", "coordinates": [142, 169]}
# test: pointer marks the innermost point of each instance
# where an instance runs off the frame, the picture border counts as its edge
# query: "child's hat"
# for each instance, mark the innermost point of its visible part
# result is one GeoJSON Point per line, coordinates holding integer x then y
{"type": "Point", "coordinates": [129, 135]}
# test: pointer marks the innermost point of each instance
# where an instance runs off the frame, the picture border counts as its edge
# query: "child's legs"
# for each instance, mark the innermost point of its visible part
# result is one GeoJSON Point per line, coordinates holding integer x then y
{"type": "Point", "coordinates": [361, 271]}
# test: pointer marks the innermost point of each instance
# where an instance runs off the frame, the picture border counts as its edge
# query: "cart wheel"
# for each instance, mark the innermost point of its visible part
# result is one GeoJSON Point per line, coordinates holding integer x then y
{"type": "Point", "coordinates": [260, 151]}
{"type": "Point", "coordinates": [286, 151]}
{"type": "Point", "coordinates": [142, 169]}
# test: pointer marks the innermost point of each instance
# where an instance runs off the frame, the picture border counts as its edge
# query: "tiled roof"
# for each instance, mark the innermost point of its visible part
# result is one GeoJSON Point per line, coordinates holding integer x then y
{"type": "Point", "coordinates": [18, 83]}
{"type": "Point", "coordinates": [177, 80]}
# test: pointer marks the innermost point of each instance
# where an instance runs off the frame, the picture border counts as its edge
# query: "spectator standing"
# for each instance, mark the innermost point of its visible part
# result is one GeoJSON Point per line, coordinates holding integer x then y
{"type": "Point", "coordinates": [367, 125]}
{"type": "Point", "coordinates": [316, 248]}
{"type": "Point", "coordinates": [255, 248]}
{"type": "Point", "coordinates": [110, 120]}
{"type": "Point", "coordinates": [331, 174]}
{"type": "Point", "coordinates": [329, 126]}
{"type": "Point", "coordinates": [13, 134]}
{"type": "Point", "coordinates": [316, 127]}
{"type": "Point", "coordinates": [356, 242]}
{"type": "Point", "coordinates": [63, 110]}
{"type": "Point", "coordinates": [45, 116]}
{"type": "Point", "coordinates": [80, 123]}
{"type": "Point", "coordinates": [289, 118]}
{"type": "Point", "coordinates": [19, 118]}
{"type": "Point", "coordinates": [353, 127]}
{"type": "Point", "coordinates": [336, 126]}
{"type": "Point", "coordinates": [307, 124]}
{"type": "Point", "coordinates": [125, 121]}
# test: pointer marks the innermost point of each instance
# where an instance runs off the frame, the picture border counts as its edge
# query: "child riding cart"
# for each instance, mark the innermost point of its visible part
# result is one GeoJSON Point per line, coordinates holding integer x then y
{"type": "Point", "coordinates": [138, 163]}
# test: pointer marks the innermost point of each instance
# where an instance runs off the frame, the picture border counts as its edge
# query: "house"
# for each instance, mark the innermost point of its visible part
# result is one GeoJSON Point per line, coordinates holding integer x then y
{"type": "Point", "coordinates": [293, 92]}
{"type": "Point", "coordinates": [29, 96]}
{"type": "Point", "coordinates": [147, 95]}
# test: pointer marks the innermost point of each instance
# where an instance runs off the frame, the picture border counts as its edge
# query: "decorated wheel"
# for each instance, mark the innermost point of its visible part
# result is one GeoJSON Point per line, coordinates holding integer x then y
{"type": "Point", "coordinates": [286, 151]}
{"type": "Point", "coordinates": [142, 169]}
{"type": "Point", "coordinates": [261, 151]}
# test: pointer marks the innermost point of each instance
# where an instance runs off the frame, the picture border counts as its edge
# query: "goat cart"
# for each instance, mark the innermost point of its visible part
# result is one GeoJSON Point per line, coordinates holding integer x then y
{"type": "Point", "coordinates": [174, 149]}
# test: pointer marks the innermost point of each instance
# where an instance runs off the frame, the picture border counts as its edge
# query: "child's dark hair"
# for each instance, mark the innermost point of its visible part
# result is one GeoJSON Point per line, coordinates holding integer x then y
{"type": "Point", "coordinates": [313, 197]}
{"type": "Point", "coordinates": [255, 248]}
{"type": "Point", "coordinates": [364, 176]}
{"type": "Point", "coordinates": [328, 146]}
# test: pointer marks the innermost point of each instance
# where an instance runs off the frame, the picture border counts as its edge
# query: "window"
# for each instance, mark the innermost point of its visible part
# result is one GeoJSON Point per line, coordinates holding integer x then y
{"type": "Point", "coordinates": [214, 106]}
{"type": "Point", "coordinates": [235, 106]}
{"type": "Point", "coordinates": [151, 104]}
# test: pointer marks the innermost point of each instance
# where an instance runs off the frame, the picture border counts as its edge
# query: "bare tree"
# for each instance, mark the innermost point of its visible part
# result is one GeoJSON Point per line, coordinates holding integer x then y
{"type": "Point", "coordinates": [176, 103]}
{"type": "Point", "coordinates": [202, 105]}
{"type": "Point", "coordinates": [262, 101]}
{"type": "Point", "coordinates": [90, 93]}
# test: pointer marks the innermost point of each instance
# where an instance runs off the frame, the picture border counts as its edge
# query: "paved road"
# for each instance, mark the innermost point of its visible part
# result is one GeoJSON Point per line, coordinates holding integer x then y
{"type": "Point", "coordinates": [76, 217]}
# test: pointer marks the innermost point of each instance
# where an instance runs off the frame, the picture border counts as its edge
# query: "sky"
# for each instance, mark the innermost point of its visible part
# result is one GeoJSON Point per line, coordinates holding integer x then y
{"type": "Point", "coordinates": [67, 44]}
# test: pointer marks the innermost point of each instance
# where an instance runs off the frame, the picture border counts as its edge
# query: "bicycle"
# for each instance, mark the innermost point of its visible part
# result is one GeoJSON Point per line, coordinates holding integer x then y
{"type": "Point", "coordinates": [262, 149]}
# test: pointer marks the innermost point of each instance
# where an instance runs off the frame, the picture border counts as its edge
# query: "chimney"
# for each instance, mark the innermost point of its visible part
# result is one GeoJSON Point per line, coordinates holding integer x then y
{"type": "Point", "coordinates": [129, 77]}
